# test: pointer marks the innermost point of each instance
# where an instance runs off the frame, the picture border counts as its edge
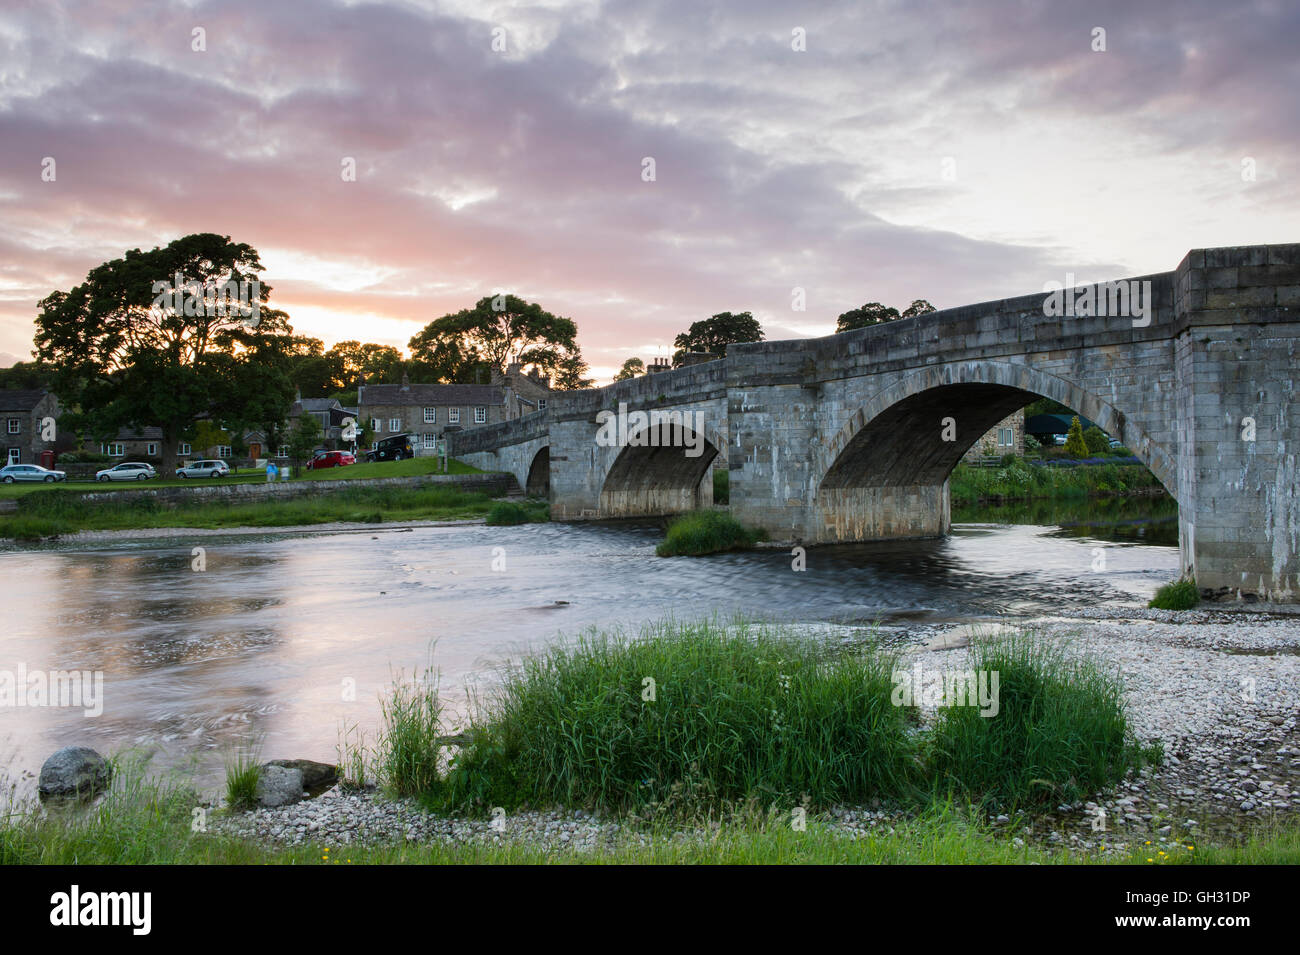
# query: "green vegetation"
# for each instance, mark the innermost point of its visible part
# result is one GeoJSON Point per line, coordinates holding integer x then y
{"type": "Point", "coordinates": [1075, 445]}
{"type": "Point", "coordinates": [510, 512]}
{"type": "Point", "coordinates": [1020, 480]}
{"type": "Point", "coordinates": [706, 532]}
{"type": "Point", "coordinates": [721, 487]}
{"type": "Point", "coordinates": [682, 717]}
{"type": "Point", "coordinates": [409, 744]}
{"type": "Point", "coordinates": [1059, 732]}
{"type": "Point", "coordinates": [1179, 595]}
{"type": "Point", "coordinates": [242, 773]}
{"type": "Point", "coordinates": [45, 515]}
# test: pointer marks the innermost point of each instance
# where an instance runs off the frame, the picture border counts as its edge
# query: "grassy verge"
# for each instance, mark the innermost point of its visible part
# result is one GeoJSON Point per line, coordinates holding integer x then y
{"type": "Point", "coordinates": [706, 532]}
{"type": "Point", "coordinates": [1021, 481]}
{"type": "Point", "coordinates": [154, 822]}
{"type": "Point", "coordinates": [46, 515]}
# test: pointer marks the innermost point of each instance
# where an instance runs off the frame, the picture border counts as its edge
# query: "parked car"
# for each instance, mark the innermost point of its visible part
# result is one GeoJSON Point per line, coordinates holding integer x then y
{"type": "Point", "coordinates": [396, 448]}
{"type": "Point", "coordinates": [198, 469]}
{"type": "Point", "coordinates": [331, 459]}
{"type": "Point", "coordinates": [30, 472]}
{"type": "Point", "coordinates": [127, 471]}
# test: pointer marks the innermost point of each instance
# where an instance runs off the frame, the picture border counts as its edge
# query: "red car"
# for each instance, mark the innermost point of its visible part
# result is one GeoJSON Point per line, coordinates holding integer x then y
{"type": "Point", "coordinates": [331, 459]}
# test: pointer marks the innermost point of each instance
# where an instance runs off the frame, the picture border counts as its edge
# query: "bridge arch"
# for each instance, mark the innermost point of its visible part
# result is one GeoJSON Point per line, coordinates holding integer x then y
{"type": "Point", "coordinates": [896, 438]}
{"type": "Point", "coordinates": [538, 482]}
{"type": "Point", "coordinates": [657, 472]}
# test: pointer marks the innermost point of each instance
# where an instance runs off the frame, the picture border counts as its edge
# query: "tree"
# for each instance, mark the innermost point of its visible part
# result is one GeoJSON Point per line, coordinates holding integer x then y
{"type": "Point", "coordinates": [498, 330]}
{"type": "Point", "coordinates": [304, 437]}
{"type": "Point", "coordinates": [873, 313]}
{"type": "Point", "coordinates": [128, 348]}
{"type": "Point", "coordinates": [570, 375]}
{"type": "Point", "coordinates": [1075, 446]}
{"type": "Point", "coordinates": [713, 335]}
{"type": "Point", "coordinates": [1096, 440]}
{"type": "Point", "coordinates": [631, 369]}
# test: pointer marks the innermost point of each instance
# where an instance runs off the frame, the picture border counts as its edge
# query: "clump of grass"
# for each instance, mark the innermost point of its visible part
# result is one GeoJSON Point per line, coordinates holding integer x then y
{"type": "Point", "coordinates": [1180, 595]}
{"type": "Point", "coordinates": [410, 740]}
{"type": "Point", "coordinates": [686, 714]}
{"type": "Point", "coordinates": [243, 770]}
{"type": "Point", "coordinates": [510, 512]}
{"type": "Point", "coordinates": [706, 532]}
{"type": "Point", "coordinates": [1059, 732]}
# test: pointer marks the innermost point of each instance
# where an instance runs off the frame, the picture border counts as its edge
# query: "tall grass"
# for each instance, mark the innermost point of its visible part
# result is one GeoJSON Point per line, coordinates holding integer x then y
{"type": "Point", "coordinates": [409, 743]}
{"type": "Point", "coordinates": [685, 714]}
{"type": "Point", "coordinates": [706, 532]}
{"type": "Point", "coordinates": [1059, 734]}
{"type": "Point", "coordinates": [1179, 595]}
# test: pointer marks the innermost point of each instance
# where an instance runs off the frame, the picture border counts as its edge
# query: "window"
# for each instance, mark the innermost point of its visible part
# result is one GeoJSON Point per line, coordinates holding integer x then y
{"type": "Point", "coordinates": [184, 449]}
{"type": "Point", "coordinates": [480, 415]}
{"type": "Point", "coordinates": [394, 425]}
{"type": "Point", "coordinates": [152, 450]}
{"type": "Point", "coordinates": [453, 415]}
{"type": "Point", "coordinates": [223, 451]}
{"type": "Point", "coordinates": [430, 440]}
{"type": "Point", "coordinates": [374, 425]}
{"type": "Point", "coordinates": [15, 425]}
{"type": "Point", "coordinates": [113, 449]}
{"type": "Point", "coordinates": [283, 451]}
{"type": "Point", "coordinates": [430, 415]}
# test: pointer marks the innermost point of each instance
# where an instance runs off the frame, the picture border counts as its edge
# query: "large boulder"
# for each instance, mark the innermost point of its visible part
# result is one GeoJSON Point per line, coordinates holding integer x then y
{"type": "Point", "coordinates": [278, 786]}
{"type": "Point", "coordinates": [316, 777]}
{"type": "Point", "coordinates": [74, 771]}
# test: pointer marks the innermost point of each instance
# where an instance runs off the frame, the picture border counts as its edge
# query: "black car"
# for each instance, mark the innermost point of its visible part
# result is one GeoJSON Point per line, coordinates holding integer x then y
{"type": "Point", "coordinates": [396, 448]}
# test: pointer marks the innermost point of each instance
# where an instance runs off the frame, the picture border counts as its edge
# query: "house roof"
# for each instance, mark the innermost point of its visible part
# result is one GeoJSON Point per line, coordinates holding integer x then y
{"type": "Point", "coordinates": [432, 395]}
{"type": "Point", "coordinates": [18, 400]}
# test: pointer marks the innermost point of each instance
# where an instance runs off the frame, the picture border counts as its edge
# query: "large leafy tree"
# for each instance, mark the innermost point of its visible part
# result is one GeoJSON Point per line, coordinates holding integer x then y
{"type": "Point", "coordinates": [713, 335]}
{"type": "Point", "coordinates": [873, 313]}
{"type": "Point", "coordinates": [498, 330]}
{"type": "Point", "coordinates": [631, 369]}
{"type": "Point", "coordinates": [120, 354]}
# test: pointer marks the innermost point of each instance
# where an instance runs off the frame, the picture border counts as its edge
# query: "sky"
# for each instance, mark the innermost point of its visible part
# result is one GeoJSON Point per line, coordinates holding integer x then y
{"type": "Point", "coordinates": [953, 151]}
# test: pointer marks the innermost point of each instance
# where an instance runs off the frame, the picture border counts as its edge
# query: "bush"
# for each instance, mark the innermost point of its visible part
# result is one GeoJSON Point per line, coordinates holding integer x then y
{"type": "Point", "coordinates": [1059, 734]}
{"type": "Point", "coordinates": [706, 532]}
{"type": "Point", "coordinates": [508, 512]}
{"type": "Point", "coordinates": [1179, 595]}
{"type": "Point", "coordinates": [684, 716]}
{"type": "Point", "coordinates": [721, 487]}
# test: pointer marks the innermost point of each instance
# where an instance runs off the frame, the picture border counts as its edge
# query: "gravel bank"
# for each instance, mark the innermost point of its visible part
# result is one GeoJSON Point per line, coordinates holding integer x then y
{"type": "Point", "coordinates": [1219, 690]}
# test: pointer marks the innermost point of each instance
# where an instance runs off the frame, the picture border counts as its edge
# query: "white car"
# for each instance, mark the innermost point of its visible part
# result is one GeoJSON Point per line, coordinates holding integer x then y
{"type": "Point", "coordinates": [211, 469]}
{"type": "Point", "coordinates": [30, 472]}
{"type": "Point", "coordinates": [127, 471]}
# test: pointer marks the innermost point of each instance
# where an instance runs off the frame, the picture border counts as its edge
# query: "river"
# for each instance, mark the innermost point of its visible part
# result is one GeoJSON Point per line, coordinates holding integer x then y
{"type": "Point", "coordinates": [289, 637]}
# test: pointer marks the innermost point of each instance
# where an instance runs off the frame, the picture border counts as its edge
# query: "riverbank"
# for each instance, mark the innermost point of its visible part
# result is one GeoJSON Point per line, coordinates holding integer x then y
{"type": "Point", "coordinates": [1021, 481]}
{"type": "Point", "coordinates": [1216, 691]}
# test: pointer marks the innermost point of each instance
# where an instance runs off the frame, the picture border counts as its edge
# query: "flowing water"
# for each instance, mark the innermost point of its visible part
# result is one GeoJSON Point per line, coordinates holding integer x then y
{"type": "Point", "coordinates": [289, 637]}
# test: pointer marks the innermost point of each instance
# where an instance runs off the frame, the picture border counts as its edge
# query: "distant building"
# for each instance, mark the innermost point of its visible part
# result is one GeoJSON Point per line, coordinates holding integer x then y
{"type": "Point", "coordinates": [22, 413]}
{"type": "Point", "coordinates": [1006, 437]}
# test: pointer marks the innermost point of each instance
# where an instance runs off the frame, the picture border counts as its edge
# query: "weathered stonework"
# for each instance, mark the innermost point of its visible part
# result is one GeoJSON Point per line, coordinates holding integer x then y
{"type": "Point", "coordinates": [852, 436]}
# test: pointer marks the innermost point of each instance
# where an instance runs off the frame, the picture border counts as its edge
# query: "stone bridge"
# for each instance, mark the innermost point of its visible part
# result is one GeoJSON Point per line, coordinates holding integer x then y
{"type": "Point", "coordinates": [852, 437]}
